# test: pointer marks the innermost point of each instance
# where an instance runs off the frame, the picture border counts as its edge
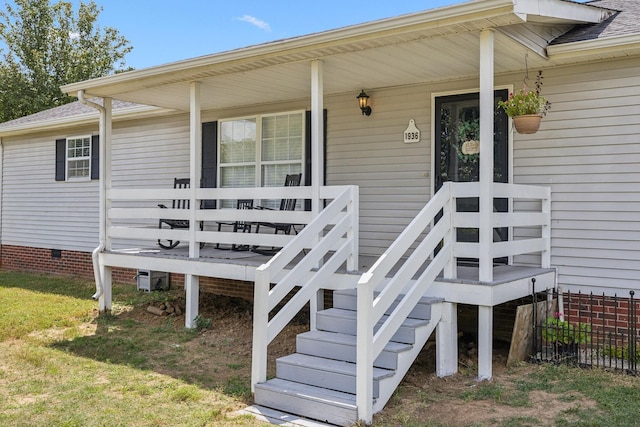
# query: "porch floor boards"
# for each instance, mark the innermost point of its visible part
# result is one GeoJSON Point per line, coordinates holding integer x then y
{"type": "Point", "coordinates": [467, 275]}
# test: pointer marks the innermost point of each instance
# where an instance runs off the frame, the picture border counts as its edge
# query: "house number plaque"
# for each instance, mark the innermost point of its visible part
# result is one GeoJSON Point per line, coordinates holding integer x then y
{"type": "Point", "coordinates": [412, 134]}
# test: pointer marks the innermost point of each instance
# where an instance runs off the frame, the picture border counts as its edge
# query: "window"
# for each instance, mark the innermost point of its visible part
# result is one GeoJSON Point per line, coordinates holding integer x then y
{"type": "Point", "coordinates": [78, 157]}
{"type": "Point", "coordinates": [260, 151]}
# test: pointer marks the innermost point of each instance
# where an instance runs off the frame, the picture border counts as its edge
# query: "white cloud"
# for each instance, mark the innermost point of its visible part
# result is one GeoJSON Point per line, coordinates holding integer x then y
{"type": "Point", "coordinates": [74, 35]}
{"type": "Point", "coordinates": [255, 21]}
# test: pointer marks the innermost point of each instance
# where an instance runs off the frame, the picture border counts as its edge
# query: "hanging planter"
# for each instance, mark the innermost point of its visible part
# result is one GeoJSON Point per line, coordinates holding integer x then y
{"type": "Point", "coordinates": [526, 107]}
{"type": "Point", "coordinates": [528, 123]}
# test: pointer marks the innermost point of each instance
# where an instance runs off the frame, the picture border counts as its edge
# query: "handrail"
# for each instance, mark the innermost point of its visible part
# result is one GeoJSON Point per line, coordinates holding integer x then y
{"type": "Point", "coordinates": [402, 283]}
{"type": "Point", "coordinates": [370, 309]}
{"type": "Point", "coordinates": [323, 252]}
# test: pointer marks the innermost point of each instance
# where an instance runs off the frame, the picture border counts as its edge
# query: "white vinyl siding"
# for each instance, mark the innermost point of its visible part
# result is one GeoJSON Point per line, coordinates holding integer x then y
{"type": "Point", "coordinates": [37, 210]}
{"type": "Point", "coordinates": [588, 152]}
{"type": "Point", "coordinates": [370, 152]}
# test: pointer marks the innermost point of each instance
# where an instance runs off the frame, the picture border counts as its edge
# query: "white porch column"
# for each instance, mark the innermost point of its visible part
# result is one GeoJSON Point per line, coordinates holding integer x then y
{"type": "Point", "coordinates": [104, 301]}
{"type": "Point", "coordinates": [191, 282]}
{"type": "Point", "coordinates": [317, 161]}
{"type": "Point", "coordinates": [317, 134]}
{"type": "Point", "coordinates": [195, 164]}
{"type": "Point", "coordinates": [486, 155]}
{"type": "Point", "coordinates": [485, 315]}
{"type": "Point", "coordinates": [485, 342]}
{"type": "Point", "coordinates": [447, 341]}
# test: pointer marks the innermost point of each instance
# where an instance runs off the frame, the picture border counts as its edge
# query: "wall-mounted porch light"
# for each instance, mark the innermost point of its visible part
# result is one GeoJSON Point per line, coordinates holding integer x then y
{"type": "Point", "coordinates": [363, 100]}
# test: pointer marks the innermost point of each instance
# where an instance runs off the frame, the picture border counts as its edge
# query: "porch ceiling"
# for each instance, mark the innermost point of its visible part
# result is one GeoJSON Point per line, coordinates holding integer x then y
{"type": "Point", "coordinates": [437, 45]}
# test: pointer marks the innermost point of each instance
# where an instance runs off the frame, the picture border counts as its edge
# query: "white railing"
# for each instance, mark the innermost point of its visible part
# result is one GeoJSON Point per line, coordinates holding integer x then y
{"type": "Point", "coordinates": [302, 269]}
{"type": "Point", "coordinates": [405, 258]}
{"type": "Point", "coordinates": [134, 215]}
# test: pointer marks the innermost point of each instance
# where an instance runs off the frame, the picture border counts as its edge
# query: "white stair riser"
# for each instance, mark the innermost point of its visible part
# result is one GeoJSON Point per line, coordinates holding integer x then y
{"type": "Point", "coordinates": [321, 378]}
{"type": "Point", "coordinates": [321, 410]}
{"type": "Point", "coordinates": [340, 351]}
{"type": "Point", "coordinates": [327, 322]}
{"type": "Point", "coordinates": [349, 302]}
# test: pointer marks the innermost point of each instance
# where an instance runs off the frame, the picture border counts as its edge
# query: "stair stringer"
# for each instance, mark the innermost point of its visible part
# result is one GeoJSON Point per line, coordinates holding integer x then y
{"type": "Point", "coordinates": [406, 358]}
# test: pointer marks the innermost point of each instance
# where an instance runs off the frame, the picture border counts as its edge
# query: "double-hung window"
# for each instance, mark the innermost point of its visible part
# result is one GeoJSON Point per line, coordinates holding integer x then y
{"type": "Point", "coordinates": [79, 157]}
{"type": "Point", "coordinates": [260, 151]}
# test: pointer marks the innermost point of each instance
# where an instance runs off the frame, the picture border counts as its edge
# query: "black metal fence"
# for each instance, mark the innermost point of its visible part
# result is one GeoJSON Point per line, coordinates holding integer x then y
{"type": "Point", "coordinates": [586, 330]}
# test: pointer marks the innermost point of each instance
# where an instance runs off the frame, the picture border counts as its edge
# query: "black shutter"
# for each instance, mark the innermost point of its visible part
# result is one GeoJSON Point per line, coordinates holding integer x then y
{"type": "Point", "coordinates": [209, 160]}
{"type": "Point", "coordinates": [307, 150]}
{"type": "Point", "coordinates": [95, 157]}
{"type": "Point", "coordinates": [61, 159]}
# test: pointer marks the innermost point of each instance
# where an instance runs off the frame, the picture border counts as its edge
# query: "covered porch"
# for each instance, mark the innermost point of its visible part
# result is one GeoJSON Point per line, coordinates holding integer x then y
{"type": "Point", "coordinates": [482, 40]}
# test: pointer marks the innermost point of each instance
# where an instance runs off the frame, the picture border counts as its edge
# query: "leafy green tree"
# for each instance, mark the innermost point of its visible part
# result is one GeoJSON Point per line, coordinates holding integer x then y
{"type": "Point", "coordinates": [44, 46]}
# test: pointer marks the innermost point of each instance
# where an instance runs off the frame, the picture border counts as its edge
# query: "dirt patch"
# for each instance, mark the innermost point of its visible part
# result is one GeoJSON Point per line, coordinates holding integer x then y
{"type": "Point", "coordinates": [220, 357]}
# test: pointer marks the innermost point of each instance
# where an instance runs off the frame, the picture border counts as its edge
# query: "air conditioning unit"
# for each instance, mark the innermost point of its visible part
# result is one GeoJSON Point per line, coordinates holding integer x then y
{"type": "Point", "coordinates": [149, 280]}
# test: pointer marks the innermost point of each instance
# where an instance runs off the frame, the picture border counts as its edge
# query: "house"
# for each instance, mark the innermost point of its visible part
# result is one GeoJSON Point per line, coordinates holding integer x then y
{"type": "Point", "coordinates": [400, 222]}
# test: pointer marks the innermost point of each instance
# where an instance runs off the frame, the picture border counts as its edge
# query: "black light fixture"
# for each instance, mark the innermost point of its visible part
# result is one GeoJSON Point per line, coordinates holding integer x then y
{"type": "Point", "coordinates": [363, 100]}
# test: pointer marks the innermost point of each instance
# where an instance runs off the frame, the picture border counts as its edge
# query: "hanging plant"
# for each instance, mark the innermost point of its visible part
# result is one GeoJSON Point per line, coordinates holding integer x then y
{"type": "Point", "coordinates": [527, 107]}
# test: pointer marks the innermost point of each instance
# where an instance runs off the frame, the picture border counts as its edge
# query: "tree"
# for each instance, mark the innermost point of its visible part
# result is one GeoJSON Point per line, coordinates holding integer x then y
{"type": "Point", "coordinates": [47, 46]}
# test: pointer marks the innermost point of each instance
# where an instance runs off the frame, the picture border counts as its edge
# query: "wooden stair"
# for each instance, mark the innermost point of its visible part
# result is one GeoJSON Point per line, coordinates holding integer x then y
{"type": "Point", "coordinates": [319, 380]}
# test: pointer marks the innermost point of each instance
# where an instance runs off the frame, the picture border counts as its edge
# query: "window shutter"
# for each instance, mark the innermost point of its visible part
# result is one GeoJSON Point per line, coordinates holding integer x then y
{"type": "Point", "coordinates": [209, 160]}
{"type": "Point", "coordinates": [307, 153]}
{"type": "Point", "coordinates": [61, 159]}
{"type": "Point", "coordinates": [95, 157]}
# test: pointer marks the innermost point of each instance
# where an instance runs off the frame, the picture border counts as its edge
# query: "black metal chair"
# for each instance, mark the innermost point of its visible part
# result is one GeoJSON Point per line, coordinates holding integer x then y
{"type": "Point", "coordinates": [178, 183]}
{"type": "Point", "coordinates": [242, 226]}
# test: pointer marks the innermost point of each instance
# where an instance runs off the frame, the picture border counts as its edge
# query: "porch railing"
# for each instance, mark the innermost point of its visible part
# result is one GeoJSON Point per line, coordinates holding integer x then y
{"type": "Point", "coordinates": [296, 274]}
{"type": "Point", "coordinates": [430, 239]}
{"type": "Point", "coordinates": [133, 215]}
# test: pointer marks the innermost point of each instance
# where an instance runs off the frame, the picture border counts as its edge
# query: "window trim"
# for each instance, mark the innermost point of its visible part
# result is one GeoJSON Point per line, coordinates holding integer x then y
{"type": "Point", "coordinates": [67, 159]}
{"type": "Point", "coordinates": [258, 162]}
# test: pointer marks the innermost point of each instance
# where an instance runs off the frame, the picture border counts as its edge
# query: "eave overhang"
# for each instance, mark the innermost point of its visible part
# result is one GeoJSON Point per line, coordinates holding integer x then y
{"type": "Point", "coordinates": [626, 45]}
{"type": "Point", "coordinates": [467, 17]}
{"type": "Point", "coordinates": [89, 118]}
{"type": "Point", "coordinates": [559, 12]}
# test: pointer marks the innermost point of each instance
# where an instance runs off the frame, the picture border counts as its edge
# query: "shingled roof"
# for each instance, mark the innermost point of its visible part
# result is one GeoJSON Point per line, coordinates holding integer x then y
{"type": "Point", "coordinates": [73, 109]}
{"type": "Point", "coordinates": [624, 23]}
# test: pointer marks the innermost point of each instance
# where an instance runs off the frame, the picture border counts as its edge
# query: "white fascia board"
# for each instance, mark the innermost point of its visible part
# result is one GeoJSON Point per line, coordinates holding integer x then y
{"type": "Point", "coordinates": [581, 48]}
{"type": "Point", "coordinates": [556, 11]}
{"type": "Point", "coordinates": [137, 112]}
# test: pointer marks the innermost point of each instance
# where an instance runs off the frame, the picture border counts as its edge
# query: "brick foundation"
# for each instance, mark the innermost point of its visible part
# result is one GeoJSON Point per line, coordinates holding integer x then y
{"type": "Point", "coordinates": [79, 264]}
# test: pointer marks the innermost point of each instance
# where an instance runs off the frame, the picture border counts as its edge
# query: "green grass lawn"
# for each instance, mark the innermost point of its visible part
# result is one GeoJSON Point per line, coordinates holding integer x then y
{"type": "Point", "coordinates": [63, 365]}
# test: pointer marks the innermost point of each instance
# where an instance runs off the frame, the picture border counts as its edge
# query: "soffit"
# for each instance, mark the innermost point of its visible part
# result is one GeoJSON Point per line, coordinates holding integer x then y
{"type": "Point", "coordinates": [433, 46]}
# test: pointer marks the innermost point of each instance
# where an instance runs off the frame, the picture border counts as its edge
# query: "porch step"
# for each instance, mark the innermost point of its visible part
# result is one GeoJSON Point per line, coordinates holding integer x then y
{"type": "Point", "coordinates": [319, 380]}
{"type": "Point", "coordinates": [318, 403]}
{"type": "Point", "coordinates": [347, 299]}
{"type": "Point", "coordinates": [326, 373]}
{"type": "Point", "coordinates": [337, 346]}
{"type": "Point", "coordinates": [345, 321]}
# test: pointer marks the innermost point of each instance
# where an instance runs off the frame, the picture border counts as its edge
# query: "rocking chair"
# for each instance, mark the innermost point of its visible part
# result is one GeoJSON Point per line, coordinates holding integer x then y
{"type": "Point", "coordinates": [178, 183]}
{"type": "Point", "coordinates": [292, 180]}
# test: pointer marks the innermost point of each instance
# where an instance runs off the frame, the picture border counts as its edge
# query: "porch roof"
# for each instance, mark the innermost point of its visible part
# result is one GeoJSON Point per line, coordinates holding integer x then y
{"type": "Point", "coordinates": [435, 45]}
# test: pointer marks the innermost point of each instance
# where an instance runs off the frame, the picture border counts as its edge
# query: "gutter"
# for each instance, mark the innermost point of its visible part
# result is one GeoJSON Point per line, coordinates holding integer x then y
{"type": "Point", "coordinates": [95, 255]}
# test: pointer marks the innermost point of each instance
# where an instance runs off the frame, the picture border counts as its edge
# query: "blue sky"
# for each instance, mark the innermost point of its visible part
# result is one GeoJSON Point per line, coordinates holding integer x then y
{"type": "Point", "coordinates": [163, 31]}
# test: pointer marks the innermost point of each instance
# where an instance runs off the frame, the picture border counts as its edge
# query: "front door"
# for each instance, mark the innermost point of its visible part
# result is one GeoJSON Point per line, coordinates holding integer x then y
{"type": "Point", "coordinates": [457, 152]}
